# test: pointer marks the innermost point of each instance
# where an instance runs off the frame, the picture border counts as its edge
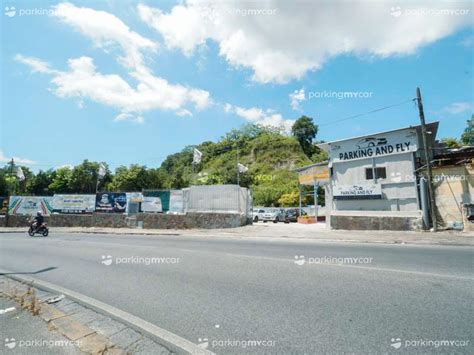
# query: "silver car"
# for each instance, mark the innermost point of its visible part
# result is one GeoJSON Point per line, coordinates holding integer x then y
{"type": "Point", "coordinates": [257, 214]}
{"type": "Point", "coordinates": [272, 214]}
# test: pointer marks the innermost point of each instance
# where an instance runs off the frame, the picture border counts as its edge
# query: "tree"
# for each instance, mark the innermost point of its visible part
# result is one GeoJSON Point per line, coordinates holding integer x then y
{"type": "Point", "coordinates": [134, 178]}
{"type": "Point", "coordinates": [467, 138]}
{"type": "Point", "coordinates": [38, 185]}
{"type": "Point", "coordinates": [61, 181]}
{"type": "Point", "coordinates": [84, 177]}
{"type": "Point", "coordinates": [3, 183]}
{"type": "Point", "coordinates": [289, 200]}
{"type": "Point", "coordinates": [304, 130]}
{"type": "Point", "coordinates": [451, 142]}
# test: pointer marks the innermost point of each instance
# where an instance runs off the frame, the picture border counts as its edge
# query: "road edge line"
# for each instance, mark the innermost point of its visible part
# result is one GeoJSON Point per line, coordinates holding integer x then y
{"type": "Point", "coordinates": [164, 337]}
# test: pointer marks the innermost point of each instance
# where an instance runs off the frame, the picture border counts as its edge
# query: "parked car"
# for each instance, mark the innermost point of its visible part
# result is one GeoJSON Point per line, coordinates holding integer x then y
{"type": "Point", "coordinates": [292, 215]}
{"type": "Point", "coordinates": [271, 214]}
{"type": "Point", "coordinates": [257, 214]}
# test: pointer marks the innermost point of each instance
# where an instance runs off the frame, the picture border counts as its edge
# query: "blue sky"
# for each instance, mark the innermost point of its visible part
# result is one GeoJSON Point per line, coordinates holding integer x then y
{"type": "Point", "coordinates": [145, 79]}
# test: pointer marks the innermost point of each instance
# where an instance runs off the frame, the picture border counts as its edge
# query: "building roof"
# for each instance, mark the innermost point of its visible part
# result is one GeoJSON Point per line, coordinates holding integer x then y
{"type": "Point", "coordinates": [430, 127]}
{"type": "Point", "coordinates": [306, 167]}
{"type": "Point", "coordinates": [458, 156]}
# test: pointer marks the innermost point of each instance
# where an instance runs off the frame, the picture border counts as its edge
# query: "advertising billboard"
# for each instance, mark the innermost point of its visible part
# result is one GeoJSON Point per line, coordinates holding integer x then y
{"type": "Point", "coordinates": [29, 205]}
{"type": "Point", "coordinates": [73, 203]}
{"type": "Point", "coordinates": [111, 202]}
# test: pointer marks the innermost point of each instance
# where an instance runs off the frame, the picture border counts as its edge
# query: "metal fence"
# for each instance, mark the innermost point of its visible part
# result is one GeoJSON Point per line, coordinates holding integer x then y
{"type": "Point", "coordinates": [217, 199]}
{"type": "Point", "coordinates": [200, 199]}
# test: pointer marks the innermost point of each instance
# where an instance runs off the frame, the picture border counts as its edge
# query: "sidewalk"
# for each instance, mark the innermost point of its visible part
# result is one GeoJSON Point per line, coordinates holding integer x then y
{"type": "Point", "coordinates": [64, 326]}
{"type": "Point", "coordinates": [288, 231]}
{"type": "Point", "coordinates": [24, 333]}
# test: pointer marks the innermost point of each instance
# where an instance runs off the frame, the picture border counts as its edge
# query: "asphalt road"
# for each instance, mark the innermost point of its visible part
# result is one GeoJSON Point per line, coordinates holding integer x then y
{"type": "Point", "coordinates": [230, 291]}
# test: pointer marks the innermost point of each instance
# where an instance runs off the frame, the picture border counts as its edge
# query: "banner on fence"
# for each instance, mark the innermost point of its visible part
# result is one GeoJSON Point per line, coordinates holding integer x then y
{"type": "Point", "coordinates": [176, 201]}
{"type": "Point", "coordinates": [160, 197]}
{"type": "Point", "coordinates": [151, 204]}
{"type": "Point", "coordinates": [73, 203]}
{"type": "Point", "coordinates": [111, 202]}
{"type": "Point", "coordinates": [3, 205]}
{"type": "Point", "coordinates": [29, 205]}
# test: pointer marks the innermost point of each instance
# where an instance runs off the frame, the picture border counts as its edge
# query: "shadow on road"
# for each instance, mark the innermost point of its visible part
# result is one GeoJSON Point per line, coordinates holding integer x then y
{"type": "Point", "coordinates": [28, 273]}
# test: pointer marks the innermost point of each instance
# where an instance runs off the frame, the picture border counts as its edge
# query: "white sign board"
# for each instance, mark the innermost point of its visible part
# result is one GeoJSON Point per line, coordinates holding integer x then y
{"type": "Point", "coordinates": [73, 203]}
{"type": "Point", "coordinates": [357, 192]}
{"type": "Point", "coordinates": [395, 142]}
{"type": "Point", "coordinates": [151, 204]}
{"type": "Point", "coordinates": [176, 201]}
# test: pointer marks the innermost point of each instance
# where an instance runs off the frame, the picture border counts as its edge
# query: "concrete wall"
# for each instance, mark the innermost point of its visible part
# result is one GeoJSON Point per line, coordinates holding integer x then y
{"type": "Point", "coordinates": [398, 189]}
{"type": "Point", "coordinates": [454, 186]}
{"type": "Point", "coordinates": [468, 226]}
{"type": "Point", "coordinates": [150, 221]}
{"type": "Point", "coordinates": [402, 223]}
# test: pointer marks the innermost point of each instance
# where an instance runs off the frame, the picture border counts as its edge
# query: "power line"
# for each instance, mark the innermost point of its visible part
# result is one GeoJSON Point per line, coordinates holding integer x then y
{"type": "Point", "coordinates": [366, 113]}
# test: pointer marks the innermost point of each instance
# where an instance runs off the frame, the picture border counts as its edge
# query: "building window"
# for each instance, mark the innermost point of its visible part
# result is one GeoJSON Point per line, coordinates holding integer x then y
{"type": "Point", "coordinates": [380, 173]}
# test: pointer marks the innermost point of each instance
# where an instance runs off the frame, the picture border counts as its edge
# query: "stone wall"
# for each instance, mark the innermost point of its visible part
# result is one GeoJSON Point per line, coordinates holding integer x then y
{"type": "Point", "coordinates": [150, 221]}
{"type": "Point", "coordinates": [376, 223]}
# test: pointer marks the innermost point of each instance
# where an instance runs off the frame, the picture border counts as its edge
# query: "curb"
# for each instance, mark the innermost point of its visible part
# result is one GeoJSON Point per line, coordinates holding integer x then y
{"type": "Point", "coordinates": [169, 234]}
{"type": "Point", "coordinates": [170, 340]}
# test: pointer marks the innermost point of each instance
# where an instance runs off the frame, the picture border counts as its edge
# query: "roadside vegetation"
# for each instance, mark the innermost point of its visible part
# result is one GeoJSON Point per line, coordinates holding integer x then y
{"type": "Point", "coordinates": [270, 154]}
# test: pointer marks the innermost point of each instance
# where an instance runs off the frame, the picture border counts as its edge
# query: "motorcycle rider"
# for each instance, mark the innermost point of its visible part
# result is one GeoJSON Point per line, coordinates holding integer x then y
{"type": "Point", "coordinates": [38, 220]}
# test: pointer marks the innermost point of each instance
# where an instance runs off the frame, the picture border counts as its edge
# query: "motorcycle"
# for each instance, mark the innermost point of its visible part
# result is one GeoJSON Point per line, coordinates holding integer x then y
{"type": "Point", "coordinates": [43, 230]}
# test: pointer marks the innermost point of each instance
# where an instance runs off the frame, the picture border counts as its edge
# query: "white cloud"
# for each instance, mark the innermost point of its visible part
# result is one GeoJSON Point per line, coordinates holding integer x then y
{"type": "Point", "coordinates": [458, 107]}
{"type": "Point", "coordinates": [287, 39]}
{"type": "Point", "coordinates": [227, 108]}
{"type": "Point", "coordinates": [259, 116]}
{"type": "Point", "coordinates": [129, 117]}
{"type": "Point", "coordinates": [106, 30]}
{"type": "Point", "coordinates": [24, 161]}
{"type": "Point", "coordinates": [64, 166]}
{"type": "Point", "coordinates": [83, 81]}
{"type": "Point", "coordinates": [36, 65]}
{"type": "Point", "coordinates": [296, 97]}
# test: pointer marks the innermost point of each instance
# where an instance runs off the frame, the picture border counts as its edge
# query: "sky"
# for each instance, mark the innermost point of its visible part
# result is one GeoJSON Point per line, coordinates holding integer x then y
{"type": "Point", "coordinates": [130, 82]}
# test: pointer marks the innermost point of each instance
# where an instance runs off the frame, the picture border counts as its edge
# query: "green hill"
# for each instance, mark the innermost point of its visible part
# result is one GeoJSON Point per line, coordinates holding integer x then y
{"type": "Point", "coordinates": [269, 155]}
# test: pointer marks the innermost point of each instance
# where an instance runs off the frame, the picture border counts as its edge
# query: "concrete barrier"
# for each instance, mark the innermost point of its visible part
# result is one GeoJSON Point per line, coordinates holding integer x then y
{"type": "Point", "coordinates": [402, 223]}
{"type": "Point", "coordinates": [149, 221]}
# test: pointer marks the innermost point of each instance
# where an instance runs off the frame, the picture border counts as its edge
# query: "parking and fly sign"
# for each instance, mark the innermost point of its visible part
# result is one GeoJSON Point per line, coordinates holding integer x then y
{"type": "Point", "coordinates": [396, 142]}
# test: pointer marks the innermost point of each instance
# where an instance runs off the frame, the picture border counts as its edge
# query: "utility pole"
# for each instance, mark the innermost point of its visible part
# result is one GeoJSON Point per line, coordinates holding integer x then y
{"type": "Point", "coordinates": [428, 161]}
{"type": "Point", "coordinates": [238, 168]}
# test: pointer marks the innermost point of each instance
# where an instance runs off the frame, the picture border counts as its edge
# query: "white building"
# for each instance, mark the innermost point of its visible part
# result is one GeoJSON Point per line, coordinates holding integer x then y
{"type": "Point", "coordinates": [372, 180]}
